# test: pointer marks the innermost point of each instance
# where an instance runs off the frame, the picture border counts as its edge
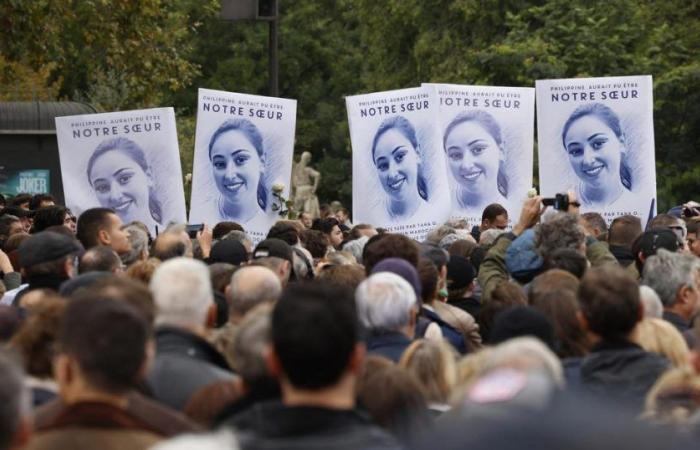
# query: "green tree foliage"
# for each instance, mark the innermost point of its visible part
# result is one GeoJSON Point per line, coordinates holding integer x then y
{"type": "Point", "coordinates": [114, 53]}
{"type": "Point", "coordinates": [124, 54]}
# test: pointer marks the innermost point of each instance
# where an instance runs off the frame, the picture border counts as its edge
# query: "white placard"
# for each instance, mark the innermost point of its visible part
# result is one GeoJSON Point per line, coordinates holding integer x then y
{"type": "Point", "coordinates": [487, 135]}
{"type": "Point", "coordinates": [244, 145]}
{"type": "Point", "coordinates": [596, 139]}
{"type": "Point", "coordinates": [398, 167]}
{"type": "Point", "coordinates": [127, 161]}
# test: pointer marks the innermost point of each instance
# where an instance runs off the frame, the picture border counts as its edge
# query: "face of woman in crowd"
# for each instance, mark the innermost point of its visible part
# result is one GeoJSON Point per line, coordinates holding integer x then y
{"type": "Point", "coordinates": [236, 167]}
{"type": "Point", "coordinates": [397, 165]}
{"type": "Point", "coordinates": [594, 152]}
{"type": "Point", "coordinates": [473, 157]}
{"type": "Point", "coordinates": [121, 184]}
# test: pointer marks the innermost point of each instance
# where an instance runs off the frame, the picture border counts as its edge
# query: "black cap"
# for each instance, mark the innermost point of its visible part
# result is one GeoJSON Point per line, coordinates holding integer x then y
{"type": "Point", "coordinates": [228, 251]}
{"type": "Point", "coordinates": [274, 247]}
{"type": "Point", "coordinates": [46, 246]}
{"type": "Point", "coordinates": [652, 240]}
{"type": "Point", "coordinates": [460, 272]}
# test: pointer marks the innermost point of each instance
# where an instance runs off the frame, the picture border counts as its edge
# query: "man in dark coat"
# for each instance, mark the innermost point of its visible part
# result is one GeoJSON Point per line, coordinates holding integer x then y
{"type": "Point", "coordinates": [616, 369]}
{"type": "Point", "coordinates": [316, 356]}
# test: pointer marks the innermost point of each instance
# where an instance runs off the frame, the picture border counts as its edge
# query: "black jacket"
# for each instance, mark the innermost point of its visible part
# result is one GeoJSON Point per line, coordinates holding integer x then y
{"type": "Point", "coordinates": [386, 343]}
{"type": "Point", "coordinates": [621, 371]}
{"type": "Point", "coordinates": [271, 425]}
{"type": "Point", "coordinates": [184, 363]}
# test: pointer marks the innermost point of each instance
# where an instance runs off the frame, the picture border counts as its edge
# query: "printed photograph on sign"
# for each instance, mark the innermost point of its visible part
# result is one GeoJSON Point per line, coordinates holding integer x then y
{"type": "Point", "coordinates": [243, 147]}
{"type": "Point", "coordinates": [487, 135]}
{"type": "Point", "coordinates": [398, 170]}
{"type": "Point", "coordinates": [596, 140]}
{"type": "Point", "coordinates": [127, 161]}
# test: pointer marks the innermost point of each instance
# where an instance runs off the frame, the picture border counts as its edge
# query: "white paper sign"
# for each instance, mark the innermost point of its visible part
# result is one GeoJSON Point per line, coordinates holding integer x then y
{"type": "Point", "coordinates": [398, 168]}
{"type": "Point", "coordinates": [244, 145]}
{"type": "Point", "coordinates": [487, 135]}
{"type": "Point", "coordinates": [596, 139]}
{"type": "Point", "coordinates": [127, 161]}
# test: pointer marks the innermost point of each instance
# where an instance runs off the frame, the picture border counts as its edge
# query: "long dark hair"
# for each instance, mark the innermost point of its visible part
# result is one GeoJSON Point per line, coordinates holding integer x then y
{"type": "Point", "coordinates": [404, 126]}
{"type": "Point", "coordinates": [133, 151]}
{"type": "Point", "coordinates": [609, 118]}
{"type": "Point", "coordinates": [489, 124]}
{"type": "Point", "coordinates": [252, 133]}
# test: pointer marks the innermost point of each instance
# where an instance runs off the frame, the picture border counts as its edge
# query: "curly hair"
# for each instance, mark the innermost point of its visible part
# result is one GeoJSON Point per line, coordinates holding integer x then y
{"type": "Point", "coordinates": [561, 230]}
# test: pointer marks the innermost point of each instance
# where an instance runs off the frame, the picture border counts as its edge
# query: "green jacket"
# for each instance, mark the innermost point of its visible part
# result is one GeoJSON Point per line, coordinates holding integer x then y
{"type": "Point", "coordinates": [493, 268]}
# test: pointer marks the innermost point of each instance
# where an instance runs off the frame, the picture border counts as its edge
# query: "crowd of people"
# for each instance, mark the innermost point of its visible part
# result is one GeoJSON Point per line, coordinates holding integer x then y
{"type": "Point", "coordinates": [516, 333]}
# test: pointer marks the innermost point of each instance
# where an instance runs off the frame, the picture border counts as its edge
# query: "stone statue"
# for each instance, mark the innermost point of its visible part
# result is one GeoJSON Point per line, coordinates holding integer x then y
{"type": "Point", "coordinates": [304, 183]}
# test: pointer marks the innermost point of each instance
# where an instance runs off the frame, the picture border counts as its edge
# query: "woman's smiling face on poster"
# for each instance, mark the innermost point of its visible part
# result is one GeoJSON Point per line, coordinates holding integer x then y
{"type": "Point", "coordinates": [473, 157]}
{"type": "Point", "coordinates": [121, 184]}
{"type": "Point", "coordinates": [236, 166]}
{"type": "Point", "coordinates": [397, 165]}
{"type": "Point", "coordinates": [594, 151]}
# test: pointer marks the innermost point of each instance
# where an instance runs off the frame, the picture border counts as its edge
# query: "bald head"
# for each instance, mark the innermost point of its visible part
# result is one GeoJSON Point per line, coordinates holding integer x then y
{"type": "Point", "coordinates": [251, 286]}
{"type": "Point", "coordinates": [172, 244]}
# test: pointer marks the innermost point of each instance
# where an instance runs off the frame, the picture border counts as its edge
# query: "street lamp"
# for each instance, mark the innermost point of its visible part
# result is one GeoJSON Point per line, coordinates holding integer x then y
{"type": "Point", "coordinates": [261, 10]}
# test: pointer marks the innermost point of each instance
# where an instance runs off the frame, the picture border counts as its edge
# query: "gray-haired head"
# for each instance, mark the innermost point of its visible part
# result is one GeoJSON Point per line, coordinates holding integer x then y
{"type": "Point", "coordinates": [385, 301]}
{"type": "Point", "coordinates": [652, 303]}
{"type": "Point", "coordinates": [182, 292]}
{"type": "Point", "coordinates": [139, 244]}
{"type": "Point", "coordinates": [489, 236]}
{"type": "Point", "coordinates": [247, 351]}
{"type": "Point", "coordinates": [526, 354]}
{"type": "Point", "coordinates": [356, 246]}
{"type": "Point", "coordinates": [667, 272]}
{"type": "Point", "coordinates": [14, 399]}
{"type": "Point", "coordinates": [560, 230]}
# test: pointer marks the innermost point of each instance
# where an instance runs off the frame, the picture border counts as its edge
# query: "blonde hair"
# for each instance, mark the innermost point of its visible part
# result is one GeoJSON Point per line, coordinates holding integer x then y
{"type": "Point", "coordinates": [674, 397]}
{"type": "Point", "coordinates": [658, 336]}
{"type": "Point", "coordinates": [433, 363]}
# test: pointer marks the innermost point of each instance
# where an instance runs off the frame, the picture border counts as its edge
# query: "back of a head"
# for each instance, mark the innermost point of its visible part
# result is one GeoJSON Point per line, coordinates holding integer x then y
{"type": "Point", "coordinates": [90, 223]}
{"type": "Point", "coordinates": [394, 398]}
{"type": "Point", "coordinates": [552, 280]}
{"type": "Point", "coordinates": [666, 272]}
{"type": "Point", "coordinates": [169, 245]}
{"type": "Point", "coordinates": [437, 255]}
{"type": "Point", "coordinates": [182, 292]}
{"type": "Point", "coordinates": [139, 244]}
{"type": "Point", "coordinates": [15, 402]}
{"type": "Point", "coordinates": [47, 217]}
{"type": "Point", "coordinates": [252, 286]}
{"type": "Point", "coordinates": [560, 230]}
{"type": "Point", "coordinates": [326, 225]}
{"type": "Point", "coordinates": [429, 275]}
{"type": "Point", "coordinates": [284, 230]}
{"type": "Point", "coordinates": [650, 242]}
{"type": "Point", "coordinates": [99, 259]}
{"type": "Point", "coordinates": [316, 243]}
{"type": "Point", "coordinates": [434, 366]}
{"type": "Point", "coordinates": [651, 302]}
{"type": "Point", "coordinates": [663, 221]}
{"type": "Point", "coordinates": [526, 354]}
{"type": "Point", "coordinates": [346, 277]}
{"type": "Point", "coordinates": [505, 295]}
{"type": "Point", "coordinates": [221, 229]}
{"type": "Point", "coordinates": [567, 259]}
{"type": "Point", "coordinates": [107, 339]}
{"type": "Point", "coordinates": [122, 289]}
{"type": "Point", "coordinates": [314, 333]}
{"type": "Point", "coordinates": [387, 246]}
{"type": "Point", "coordinates": [385, 301]}
{"type": "Point", "coordinates": [661, 337]}
{"type": "Point", "coordinates": [595, 223]}
{"type": "Point", "coordinates": [438, 234]}
{"type": "Point", "coordinates": [248, 349]}
{"type": "Point", "coordinates": [560, 306]}
{"type": "Point", "coordinates": [609, 301]}
{"type": "Point", "coordinates": [624, 230]}
{"type": "Point", "coordinates": [519, 321]}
